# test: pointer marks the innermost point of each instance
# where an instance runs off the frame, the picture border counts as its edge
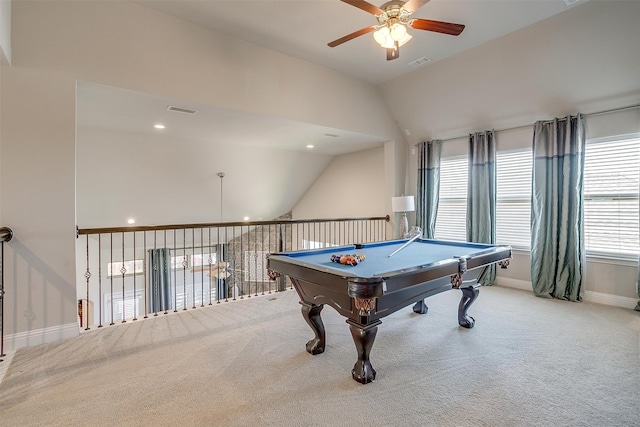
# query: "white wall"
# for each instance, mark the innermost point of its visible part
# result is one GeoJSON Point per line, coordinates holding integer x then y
{"type": "Point", "coordinates": [125, 45]}
{"type": "Point", "coordinates": [585, 59]}
{"type": "Point", "coordinates": [5, 59]}
{"type": "Point", "coordinates": [38, 199]}
{"type": "Point", "coordinates": [353, 185]}
{"type": "Point", "coordinates": [1, 68]}
{"type": "Point", "coordinates": [359, 185]}
{"type": "Point", "coordinates": [5, 32]}
{"type": "Point", "coordinates": [162, 180]}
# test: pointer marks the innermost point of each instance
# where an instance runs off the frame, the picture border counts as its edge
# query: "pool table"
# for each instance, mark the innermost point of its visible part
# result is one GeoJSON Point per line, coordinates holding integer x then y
{"type": "Point", "coordinates": [382, 284]}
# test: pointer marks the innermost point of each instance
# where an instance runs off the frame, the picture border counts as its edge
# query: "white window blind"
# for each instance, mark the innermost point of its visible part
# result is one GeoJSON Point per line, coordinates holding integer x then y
{"type": "Point", "coordinates": [451, 220]}
{"type": "Point", "coordinates": [513, 204]}
{"type": "Point", "coordinates": [611, 177]}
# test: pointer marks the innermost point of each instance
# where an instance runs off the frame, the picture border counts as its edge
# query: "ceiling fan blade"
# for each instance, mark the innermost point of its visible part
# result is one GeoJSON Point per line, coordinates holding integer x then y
{"type": "Point", "coordinates": [437, 26]}
{"type": "Point", "coordinates": [351, 36]}
{"type": "Point", "coordinates": [364, 5]}
{"type": "Point", "coordinates": [413, 5]}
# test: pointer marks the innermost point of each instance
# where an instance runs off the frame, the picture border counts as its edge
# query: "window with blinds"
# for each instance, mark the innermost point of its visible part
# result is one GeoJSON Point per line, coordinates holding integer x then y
{"type": "Point", "coordinates": [611, 178]}
{"type": "Point", "coordinates": [611, 189]}
{"type": "Point", "coordinates": [451, 220]}
{"type": "Point", "coordinates": [513, 198]}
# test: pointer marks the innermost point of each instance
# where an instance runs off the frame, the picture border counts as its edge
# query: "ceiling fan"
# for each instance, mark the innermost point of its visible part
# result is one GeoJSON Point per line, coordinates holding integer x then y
{"type": "Point", "coordinates": [393, 20]}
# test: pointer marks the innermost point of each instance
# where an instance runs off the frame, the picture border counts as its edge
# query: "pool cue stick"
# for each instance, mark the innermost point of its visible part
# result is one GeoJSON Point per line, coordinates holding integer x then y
{"type": "Point", "coordinates": [404, 246]}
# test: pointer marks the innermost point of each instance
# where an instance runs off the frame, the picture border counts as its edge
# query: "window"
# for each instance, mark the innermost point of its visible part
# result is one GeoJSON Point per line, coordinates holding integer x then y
{"type": "Point", "coordinates": [311, 244]}
{"type": "Point", "coordinates": [611, 177]}
{"type": "Point", "coordinates": [128, 268]}
{"type": "Point", "coordinates": [179, 262]}
{"type": "Point", "coordinates": [513, 198]}
{"type": "Point", "coordinates": [131, 306]}
{"type": "Point", "coordinates": [199, 260]}
{"type": "Point", "coordinates": [611, 188]}
{"type": "Point", "coordinates": [451, 220]}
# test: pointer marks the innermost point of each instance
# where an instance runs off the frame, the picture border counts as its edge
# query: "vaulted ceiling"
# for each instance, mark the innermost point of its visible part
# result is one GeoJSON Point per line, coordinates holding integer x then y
{"type": "Point", "coordinates": [302, 29]}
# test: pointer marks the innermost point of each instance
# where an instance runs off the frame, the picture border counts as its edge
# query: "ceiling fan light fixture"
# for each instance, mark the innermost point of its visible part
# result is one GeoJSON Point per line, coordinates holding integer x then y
{"type": "Point", "coordinates": [404, 39]}
{"type": "Point", "coordinates": [397, 31]}
{"type": "Point", "coordinates": [384, 38]}
{"type": "Point", "coordinates": [394, 18]}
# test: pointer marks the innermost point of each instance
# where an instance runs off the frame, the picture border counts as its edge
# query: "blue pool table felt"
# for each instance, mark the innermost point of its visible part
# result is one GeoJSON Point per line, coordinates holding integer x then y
{"type": "Point", "coordinates": [420, 253]}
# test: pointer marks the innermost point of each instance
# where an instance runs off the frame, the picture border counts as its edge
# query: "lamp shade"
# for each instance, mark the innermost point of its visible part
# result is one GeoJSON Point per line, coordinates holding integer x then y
{"type": "Point", "coordinates": [402, 204]}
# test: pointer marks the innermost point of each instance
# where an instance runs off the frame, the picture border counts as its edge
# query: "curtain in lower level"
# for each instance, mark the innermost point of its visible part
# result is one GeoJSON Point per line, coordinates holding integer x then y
{"type": "Point", "coordinates": [428, 186]}
{"type": "Point", "coordinates": [481, 194]}
{"type": "Point", "coordinates": [223, 257]}
{"type": "Point", "coordinates": [557, 227]}
{"type": "Point", "coordinates": [159, 270]}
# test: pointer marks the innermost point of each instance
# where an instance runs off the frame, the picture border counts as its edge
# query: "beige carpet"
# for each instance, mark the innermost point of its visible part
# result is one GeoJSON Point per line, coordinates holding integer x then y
{"type": "Point", "coordinates": [528, 362]}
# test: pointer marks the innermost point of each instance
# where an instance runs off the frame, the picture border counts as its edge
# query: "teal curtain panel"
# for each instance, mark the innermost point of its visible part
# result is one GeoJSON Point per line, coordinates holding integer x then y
{"type": "Point", "coordinates": [428, 186]}
{"type": "Point", "coordinates": [481, 194]}
{"type": "Point", "coordinates": [160, 291]}
{"type": "Point", "coordinates": [557, 227]}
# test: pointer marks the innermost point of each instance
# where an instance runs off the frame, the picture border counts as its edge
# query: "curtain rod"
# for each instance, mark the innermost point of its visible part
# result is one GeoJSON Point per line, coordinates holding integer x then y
{"type": "Point", "coordinates": [597, 113]}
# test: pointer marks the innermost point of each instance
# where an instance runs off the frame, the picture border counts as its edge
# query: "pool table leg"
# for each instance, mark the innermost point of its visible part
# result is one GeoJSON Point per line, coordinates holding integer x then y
{"type": "Point", "coordinates": [311, 313]}
{"type": "Point", "coordinates": [363, 337]}
{"type": "Point", "coordinates": [469, 295]}
{"type": "Point", "coordinates": [420, 307]}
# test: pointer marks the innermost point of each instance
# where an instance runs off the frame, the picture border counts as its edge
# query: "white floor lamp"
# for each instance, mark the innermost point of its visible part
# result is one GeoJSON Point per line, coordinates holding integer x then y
{"type": "Point", "coordinates": [403, 204]}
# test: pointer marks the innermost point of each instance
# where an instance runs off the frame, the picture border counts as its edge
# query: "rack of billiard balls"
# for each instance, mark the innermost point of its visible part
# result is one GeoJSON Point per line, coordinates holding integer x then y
{"type": "Point", "coordinates": [351, 260]}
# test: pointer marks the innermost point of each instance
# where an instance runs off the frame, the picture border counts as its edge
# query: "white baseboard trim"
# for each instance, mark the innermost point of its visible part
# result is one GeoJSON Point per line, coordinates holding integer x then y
{"type": "Point", "coordinates": [19, 340]}
{"type": "Point", "coordinates": [609, 299]}
{"type": "Point", "coordinates": [514, 283]}
{"type": "Point", "coordinates": [591, 296]}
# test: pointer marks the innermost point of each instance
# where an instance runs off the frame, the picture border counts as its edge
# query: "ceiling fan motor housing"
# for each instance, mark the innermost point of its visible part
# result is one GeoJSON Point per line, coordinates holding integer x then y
{"type": "Point", "coordinates": [393, 11]}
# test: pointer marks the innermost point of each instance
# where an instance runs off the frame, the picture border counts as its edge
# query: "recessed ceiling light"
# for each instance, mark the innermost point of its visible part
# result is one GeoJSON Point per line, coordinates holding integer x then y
{"type": "Point", "coordinates": [246, 218]}
{"type": "Point", "coordinates": [310, 146]}
{"type": "Point", "coordinates": [159, 126]}
{"type": "Point", "coordinates": [131, 221]}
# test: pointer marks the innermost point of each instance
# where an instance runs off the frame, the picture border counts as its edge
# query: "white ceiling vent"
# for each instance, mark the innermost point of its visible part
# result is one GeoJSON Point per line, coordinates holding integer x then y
{"type": "Point", "coordinates": [181, 110]}
{"type": "Point", "coordinates": [420, 61]}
